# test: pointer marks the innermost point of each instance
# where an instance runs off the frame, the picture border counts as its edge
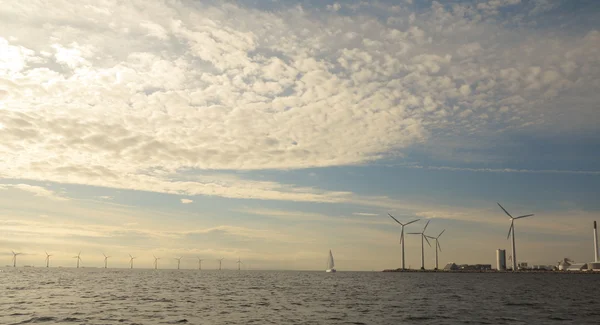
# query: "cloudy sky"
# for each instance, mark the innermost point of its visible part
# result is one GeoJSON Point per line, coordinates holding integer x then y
{"type": "Point", "coordinates": [277, 130]}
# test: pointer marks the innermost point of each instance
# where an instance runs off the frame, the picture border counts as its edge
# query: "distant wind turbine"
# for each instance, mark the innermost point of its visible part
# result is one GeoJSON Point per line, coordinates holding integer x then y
{"type": "Point", "coordinates": [131, 258]}
{"type": "Point", "coordinates": [199, 263]}
{"type": "Point", "coordinates": [78, 257]}
{"type": "Point", "coordinates": [105, 260]}
{"type": "Point", "coordinates": [220, 262]}
{"type": "Point", "coordinates": [437, 245]}
{"type": "Point", "coordinates": [178, 261]}
{"type": "Point", "coordinates": [402, 235]}
{"type": "Point", "coordinates": [512, 230]}
{"type": "Point", "coordinates": [422, 233]}
{"type": "Point", "coordinates": [239, 263]}
{"type": "Point", "coordinates": [156, 262]}
{"type": "Point", "coordinates": [47, 259]}
{"type": "Point", "coordinates": [15, 258]}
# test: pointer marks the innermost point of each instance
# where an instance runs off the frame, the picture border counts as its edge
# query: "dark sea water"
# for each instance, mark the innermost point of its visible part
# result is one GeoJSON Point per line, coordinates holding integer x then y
{"type": "Point", "coordinates": [98, 296]}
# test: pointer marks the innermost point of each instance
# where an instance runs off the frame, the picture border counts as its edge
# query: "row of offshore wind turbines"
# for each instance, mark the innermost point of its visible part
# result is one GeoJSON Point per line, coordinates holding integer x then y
{"type": "Point", "coordinates": [438, 247]}
{"type": "Point", "coordinates": [424, 239]}
{"type": "Point", "coordinates": [131, 259]}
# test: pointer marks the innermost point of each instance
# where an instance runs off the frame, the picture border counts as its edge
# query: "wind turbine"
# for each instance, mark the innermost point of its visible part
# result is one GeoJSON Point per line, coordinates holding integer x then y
{"type": "Point", "coordinates": [156, 262]}
{"type": "Point", "coordinates": [239, 263]}
{"type": "Point", "coordinates": [131, 258]}
{"type": "Point", "coordinates": [402, 235]}
{"type": "Point", "coordinates": [199, 263]}
{"type": "Point", "coordinates": [423, 237]}
{"type": "Point", "coordinates": [105, 259]}
{"type": "Point", "coordinates": [512, 230]}
{"type": "Point", "coordinates": [78, 257]}
{"type": "Point", "coordinates": [47, 259]}
{"type": "Point", "coordinates": [437, 245]}
{"type": "Point", "coordinates": [220, 261]}
{"type": "Point", "coordinates": [15, 258]}
{"type": "Point", "coordinates": [178, 261]}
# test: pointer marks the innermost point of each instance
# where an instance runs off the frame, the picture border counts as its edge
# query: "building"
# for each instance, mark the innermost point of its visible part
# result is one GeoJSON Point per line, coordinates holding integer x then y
{"type": "Point", "coordinates": [501, 259]}
{"type": "Point", "coordinates": [578, 267]}
{"type": "Point", "coordinates": [450, 267]}
{"type": "Point", "coordinates": [476, 267]}
{"type": "Point", "coordinates": [594, 266]}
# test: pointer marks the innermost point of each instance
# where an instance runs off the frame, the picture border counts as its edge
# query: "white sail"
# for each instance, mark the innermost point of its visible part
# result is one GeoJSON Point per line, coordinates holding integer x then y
{"type": "Point", "coordinates": [330, 263]}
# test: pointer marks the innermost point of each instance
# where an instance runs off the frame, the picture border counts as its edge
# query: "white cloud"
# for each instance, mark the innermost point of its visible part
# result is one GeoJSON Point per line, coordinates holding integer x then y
{"type": "Point", "coordinates": [365, 214]}
{"type": "Point", "coordinates": [186, 201]}
{"type": "Point", "coordinates": [35, 190]}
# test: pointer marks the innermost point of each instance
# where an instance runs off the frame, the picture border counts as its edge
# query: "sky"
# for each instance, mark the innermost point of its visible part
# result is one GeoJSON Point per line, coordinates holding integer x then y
{"type": "Point", "coordinates": [274, 131]}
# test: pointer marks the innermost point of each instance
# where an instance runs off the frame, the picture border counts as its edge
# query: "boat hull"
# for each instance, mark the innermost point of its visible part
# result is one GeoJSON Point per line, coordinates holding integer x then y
{"type": "Point", "coordinates": [330, 271]}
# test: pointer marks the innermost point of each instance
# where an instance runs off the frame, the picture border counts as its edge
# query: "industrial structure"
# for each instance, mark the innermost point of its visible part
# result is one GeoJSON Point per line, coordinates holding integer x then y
{"type": "Point", "coordinates": [501, 260]}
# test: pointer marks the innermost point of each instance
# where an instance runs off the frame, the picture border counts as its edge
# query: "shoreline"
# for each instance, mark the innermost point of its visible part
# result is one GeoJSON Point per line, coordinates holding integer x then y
{"type": "Point", "coordinates": [489, 271]}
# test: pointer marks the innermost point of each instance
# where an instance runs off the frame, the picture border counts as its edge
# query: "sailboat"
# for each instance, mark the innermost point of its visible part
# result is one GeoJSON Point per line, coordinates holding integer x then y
{"type": "Point", "coordinates": [330, 263]}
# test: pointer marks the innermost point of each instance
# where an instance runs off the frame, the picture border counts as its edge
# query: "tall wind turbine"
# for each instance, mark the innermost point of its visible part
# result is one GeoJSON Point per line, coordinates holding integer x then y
{"type": "Point", "coordinates": [423, 237]}
{"type": "Point", "coordinates": [156, 262]}
{"type": "Point", "coordinates": [512, 230]}
{"type": "Point", "coordinates": [105, 259]}
{"type": "Point", "coordinates": [199, 263]}
{"type": "Point", "coordinates": [402, 235]}
{"type": "Point", "coordinates": [131, 258]}
{"type": "Point", "coordinates": [220, 262]}
{"type": "Point", "coordinates": [15, 258]}
{"type": "Point", "coordinates": [239, 263]}
{"type": "Point", "coordinates": [78, 257]}
{"type": "Point", "coordinates": [178, 261]}
{"type": "Point", "coordinates": [437, 245]}
{"type": "Point", "coordinates": [47, 259]}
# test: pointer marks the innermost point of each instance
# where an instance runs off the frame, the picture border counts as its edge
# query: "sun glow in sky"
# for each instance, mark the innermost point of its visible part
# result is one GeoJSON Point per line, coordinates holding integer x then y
{"type": "Point", "coordinates": [275, 131]}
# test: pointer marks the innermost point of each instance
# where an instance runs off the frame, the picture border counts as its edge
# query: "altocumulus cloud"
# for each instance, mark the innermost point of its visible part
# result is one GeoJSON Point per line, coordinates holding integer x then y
{"type": "Point", "coordinates": [128, 96]}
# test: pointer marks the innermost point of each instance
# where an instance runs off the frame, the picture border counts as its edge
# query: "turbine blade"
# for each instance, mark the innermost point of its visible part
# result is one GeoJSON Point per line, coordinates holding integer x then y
{"type": "Point", "coordinates": [525, 216]}
{"type": "Point", "coordinates": [414, 233]}
{"type": "Point", "coordinates": [438, 244]}
{"type": "Point", "coordinates": [408, 223]}
{"type": "Point", "coordinates": [427, 240]}
{"type": "Point", "coordinates": [401, 237]}
{"type": "Point", "coordinates": [501, 207]}
{"type": "Point", "coordinates": [394, 218]}
{"type": "Point", "coordinates": [427, 224]}
{"type": "Point", "coordinates": [510, 228]}
{"type": "Point", "coordinates": [441, 233]}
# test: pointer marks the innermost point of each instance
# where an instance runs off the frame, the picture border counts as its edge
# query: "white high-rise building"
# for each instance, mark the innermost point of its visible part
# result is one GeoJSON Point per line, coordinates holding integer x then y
{"type": "Point", "coordinates": [501, 259]}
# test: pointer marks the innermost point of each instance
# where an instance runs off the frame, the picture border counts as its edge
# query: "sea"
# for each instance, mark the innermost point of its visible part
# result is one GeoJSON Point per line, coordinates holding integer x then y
{"type": "Point", "coordinates": [136, 296]}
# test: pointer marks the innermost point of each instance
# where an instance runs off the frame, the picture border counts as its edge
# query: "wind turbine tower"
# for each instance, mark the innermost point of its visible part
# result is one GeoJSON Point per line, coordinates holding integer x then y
{"type": "Point", "coordinates": [15, 258]}
{"type": "Point", "coordinates": [402, 235]}
{"type": "Point", "coordinates": [105, 260]}
{"type": "Point", "coordinates": [78, 257]}
{"type": "Point", "coordinates": [178, 261]}
{"type": "Point", "coordinates": [156, 262]}
{"type": "Point", "coordinates": [239, 263]}
{"type": "Point", "coordinates": [47, 259]}
{"type": "Point", "coordinates": [437, 245]}
{"type": "Point", "coordinates": [131, 258]}
{"type": "Point", "coordinates": [199, 263]}
{"type": "Point", "coordinates": [512, 230]}
{"type": "Point", "coordinates": [596, 256]}
{"type": "Point", "coordinates": [423, 238]}
{"type": "Point", "coordinates": [220, 262]}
